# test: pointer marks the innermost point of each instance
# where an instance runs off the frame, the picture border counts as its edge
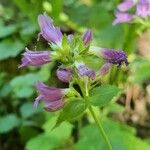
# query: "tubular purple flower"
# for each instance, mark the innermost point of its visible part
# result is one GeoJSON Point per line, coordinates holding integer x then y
{"type": "Point", "coordinates": [34, 58]}
{"type": "Point", "coordinates": [143, 8]}
{"type": "Point", "coordinates": [122, 17]}
{"type": "Point", "coordinates": [48, 31]}
{"type": "Point", "coordinates": [125, 5]}
{"type": "Point", "coordinates": [113, 56]}
{"type": "Point", "coordinates": [87, 37]}
{"type": "Point", "coordinates": [85, 71]}
{"type": "Point", "coordinates": [53, 97]}
{"type": "Point", "coordinates": [64, 74]}
{"type": "Point", "coordinates": [105, 69]}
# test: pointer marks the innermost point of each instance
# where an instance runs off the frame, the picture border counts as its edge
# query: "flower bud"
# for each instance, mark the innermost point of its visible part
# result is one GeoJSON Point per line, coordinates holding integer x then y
{"type": "Point", "coordinates": [113, 56]}
{"type": "Point", "coordinates": [64, 75]}
{"type": "Point", "coordinates": [85, 71]}
{"type": "Point", "coordinates": [105, 69]}
{"type": "Point", "coordinates": [110, 55]}
{"type": "Point", "coordinates": [87, 37]}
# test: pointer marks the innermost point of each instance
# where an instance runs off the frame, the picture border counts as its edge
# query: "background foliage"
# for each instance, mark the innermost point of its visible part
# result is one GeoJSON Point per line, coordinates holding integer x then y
{"type": "Point", "coordinates": [126, 119]}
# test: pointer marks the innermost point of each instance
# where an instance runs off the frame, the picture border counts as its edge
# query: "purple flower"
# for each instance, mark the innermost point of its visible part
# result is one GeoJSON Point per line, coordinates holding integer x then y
{"type": "Point", "coordinates": [34, 58]}
{"type": "Point", "coordinates": [53, 97]}
{"type": "Point", "coordinates": [125, 5]}
{"type": "Point", "coordinates": [64, 74]}
{"type": "Point", "coordinates": [113, 56]}
{"type": "Point", "coordinates": [105, 69]}
{"type": "Point", "coordinates": [48, 31]}
{"type": "Point", "coordinates": [85, 71]}
{"type": "Point", "coordinates": [122, 17]}
{"type": "Point", "coordinates": [87, 37]}
{"type": "Point", "coordinates": [143, 8]}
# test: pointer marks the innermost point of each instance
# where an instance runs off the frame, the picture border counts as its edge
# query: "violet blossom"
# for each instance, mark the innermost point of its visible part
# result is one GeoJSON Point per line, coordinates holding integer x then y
{"type": "Point", "coordinates": [87, 37]}
{"type": "Point", "coordinates": [113, 56]}
{"type": "Point", "coordinates": [143, 8]}
{"type": "Point", "coordinates": [34, 58]}
{"type": "Point", "coordinates": [126, 5]}
{"type": "Point", "coordinates": [64, 74]}
{"type": "Point", "coordinates": [49, 32]}
{"type": "Point", "coordinates": [122, 17]}
{"type": "Point", "coordinates": [110, 55]}
{"type": "Point", "coordinates": [53, 97]}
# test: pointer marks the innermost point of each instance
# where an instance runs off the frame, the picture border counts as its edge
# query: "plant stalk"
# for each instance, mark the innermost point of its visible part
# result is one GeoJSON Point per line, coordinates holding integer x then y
{"type": "Point", "coordinates": [101, 130]}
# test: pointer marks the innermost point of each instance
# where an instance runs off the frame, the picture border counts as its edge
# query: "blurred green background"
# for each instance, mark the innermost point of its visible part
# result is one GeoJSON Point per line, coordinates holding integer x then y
{"type": "Point", "coordinates": [127, 121]}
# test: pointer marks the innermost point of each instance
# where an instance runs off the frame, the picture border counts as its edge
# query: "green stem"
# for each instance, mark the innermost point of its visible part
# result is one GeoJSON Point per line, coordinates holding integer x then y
{"type": "Point", "coordinates": [102, 132]}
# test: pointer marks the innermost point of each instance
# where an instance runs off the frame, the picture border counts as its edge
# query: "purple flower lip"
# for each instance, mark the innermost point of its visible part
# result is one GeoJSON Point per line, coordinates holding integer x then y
{"type": "Point", "coordinates": [87, 37]}
{"type": "Point", "coordinates": [122, 17]}
{"type": "Point", "coordinates": [53, 97]}
{"type": "Point", "coordinates": [85, 71]}
{"type": "Point", "coordinates": [125, 5]}
{"type": "Point", "coordinates": [34, 58]}
{"type": "Point", "coordinates": [64, 74]}
{"type": "Point", "coordinates": [48, 31]}
{"type": "Point", "coordinates": [143, 8]}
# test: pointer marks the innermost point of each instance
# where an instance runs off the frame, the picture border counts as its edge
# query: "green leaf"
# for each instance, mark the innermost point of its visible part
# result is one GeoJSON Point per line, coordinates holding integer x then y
{"type": "Point", "coordinates": [27, 110]}
{"type": "Point", "coordinates": [28, 29]}
{"type": "Point", "coordinates": [57, 7]}
{"type": "Point", "coordinates": [10, 48]}
{"type": "Point", "coordinates": [32, 14]}
{"type": "Point", "coordinates": [8, 122]}
{"type": "Point", "coordinates": [27, 132]}
{"type": "Point", "coordinates": [121, 137]}
{"type": "Point", "coordinates": [102, 95]}
{"type": "Point", "coordinates": [93, 62]}
{"type": "Point", "coordinates": [71, 111]}
{"type": "Point", "coordinates": [112, 36]}
{"type": "Point", "coordinates": [7, 30]}
{"type": "Point", "coordinates": [50, 140]}
{"type": "Point", "coordinates": [41, 142]}
{"type": "Point", "coordinates": [23, 85]}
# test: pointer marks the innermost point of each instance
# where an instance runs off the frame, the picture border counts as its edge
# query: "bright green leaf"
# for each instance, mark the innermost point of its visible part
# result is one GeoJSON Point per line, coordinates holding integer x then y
{"type": "Point", "coordinates": [50, 140]}
{"type": "Point", "coordinates": [121, 138]}
{"type": "Point", "coordinates": [72, 110]}
{"type": "Point", "coordinates": [102, 95]}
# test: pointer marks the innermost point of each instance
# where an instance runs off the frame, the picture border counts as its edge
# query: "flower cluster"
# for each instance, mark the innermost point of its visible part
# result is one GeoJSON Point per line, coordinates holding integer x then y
{"type": "Point", "coordinates": [123, 15]}
{"type": "Point", "coordinates": [68, 51]}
